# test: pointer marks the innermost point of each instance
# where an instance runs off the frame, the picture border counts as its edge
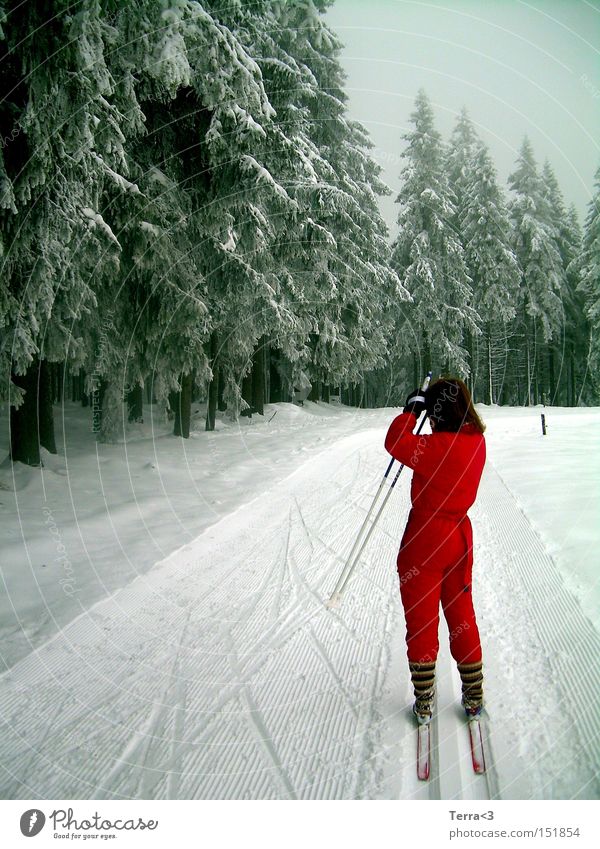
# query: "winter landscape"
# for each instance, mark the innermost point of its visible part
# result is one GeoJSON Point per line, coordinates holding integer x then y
{"type": "Point", "coordinates": [212, 305]}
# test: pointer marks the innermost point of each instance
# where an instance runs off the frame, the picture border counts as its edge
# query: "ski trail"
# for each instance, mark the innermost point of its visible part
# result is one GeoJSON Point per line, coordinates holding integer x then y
{"type": "Point", "coordinates": [222, 674]}
{"type": "Point", "coordinates": [540, 647]}
{"type": "Point", "coordinates": [260, 727]}
{"type": "Point", "coordinates": [137, 756]}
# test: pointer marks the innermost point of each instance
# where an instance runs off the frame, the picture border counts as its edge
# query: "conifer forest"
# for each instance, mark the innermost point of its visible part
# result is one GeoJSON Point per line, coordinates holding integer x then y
{"type": "Point", "coordinates": [189, 214]}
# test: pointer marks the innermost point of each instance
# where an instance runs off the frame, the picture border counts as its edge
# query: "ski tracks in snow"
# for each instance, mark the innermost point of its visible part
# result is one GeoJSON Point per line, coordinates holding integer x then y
{"type": "Point", "coordinates": [541, 657]}
{"type": "Point", "coordinates": [221, 673]}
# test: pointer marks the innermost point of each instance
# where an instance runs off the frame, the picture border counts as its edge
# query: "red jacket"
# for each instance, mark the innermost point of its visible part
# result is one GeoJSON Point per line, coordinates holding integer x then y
{"type": "Point", "coordinates": [447, 469]}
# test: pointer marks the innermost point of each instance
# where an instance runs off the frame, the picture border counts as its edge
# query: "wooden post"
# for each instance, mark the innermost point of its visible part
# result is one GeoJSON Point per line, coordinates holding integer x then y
{"type": "Point", "coordinates": [543, 424]}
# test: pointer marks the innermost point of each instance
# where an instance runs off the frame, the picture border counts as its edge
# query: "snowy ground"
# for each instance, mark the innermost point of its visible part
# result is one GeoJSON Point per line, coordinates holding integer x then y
{"type": "Point", "coordinates": [218, 672]}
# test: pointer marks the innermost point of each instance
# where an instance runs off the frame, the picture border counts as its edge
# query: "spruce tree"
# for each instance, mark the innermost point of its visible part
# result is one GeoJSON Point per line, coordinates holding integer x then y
{"type": "Point", "coordinates": [64, 131]}
{"type": "Point", "coordinates": [494, 270]}
{"type": "Point", "coordinates": [568, 348]}
{"type": "Point", "coordinates": [343, 263]}
{"type": "Point", "coordinates": [461, 153]}
{"type": "Point", "coordinates": [542, 277]}
{"type": "Point", "coordinates": [428, 255]}
{"type": "Point", "coordinates": [588, 267]}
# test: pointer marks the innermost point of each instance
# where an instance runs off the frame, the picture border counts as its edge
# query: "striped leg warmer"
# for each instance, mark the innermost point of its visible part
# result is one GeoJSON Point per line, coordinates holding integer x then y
{"type": "Point", "coordinates": [423, 679]}
{"type": "Point", "coordinates": [471, 675]}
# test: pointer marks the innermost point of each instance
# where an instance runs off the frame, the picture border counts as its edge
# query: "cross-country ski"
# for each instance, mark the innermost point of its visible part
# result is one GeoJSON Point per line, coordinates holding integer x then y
{"type": "Point", "coordinates": [423, 751]}
{"type": "Point", "coordinates": [477, 749]}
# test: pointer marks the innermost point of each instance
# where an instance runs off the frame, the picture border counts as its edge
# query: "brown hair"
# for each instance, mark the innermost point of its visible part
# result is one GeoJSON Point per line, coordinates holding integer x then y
{"type": "Point", "coordinates": [449, 404]}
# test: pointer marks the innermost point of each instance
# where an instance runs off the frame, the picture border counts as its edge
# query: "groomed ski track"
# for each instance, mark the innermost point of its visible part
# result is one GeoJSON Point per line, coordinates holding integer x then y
{"type": "Point", "coordinates": [221, 674]}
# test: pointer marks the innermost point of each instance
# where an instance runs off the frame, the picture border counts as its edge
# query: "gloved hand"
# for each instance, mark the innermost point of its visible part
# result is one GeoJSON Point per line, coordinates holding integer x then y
{"type": "Point", "coordinates": [415, 403]}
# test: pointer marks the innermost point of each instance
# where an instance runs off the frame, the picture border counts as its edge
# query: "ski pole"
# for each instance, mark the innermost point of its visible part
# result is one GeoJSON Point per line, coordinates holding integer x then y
{"type": "Point", "coordinates": [352, 562]}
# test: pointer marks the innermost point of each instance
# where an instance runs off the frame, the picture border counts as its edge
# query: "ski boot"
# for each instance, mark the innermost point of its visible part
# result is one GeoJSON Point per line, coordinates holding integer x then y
{"type": "Point", "coordinates": [422, 714]}
{"type": "Point", "coordinates": [473, 711]}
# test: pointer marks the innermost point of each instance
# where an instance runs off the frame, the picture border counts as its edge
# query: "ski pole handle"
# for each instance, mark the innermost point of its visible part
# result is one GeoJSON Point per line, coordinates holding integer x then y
{"type": "Point", "coordinates": [418, 430]}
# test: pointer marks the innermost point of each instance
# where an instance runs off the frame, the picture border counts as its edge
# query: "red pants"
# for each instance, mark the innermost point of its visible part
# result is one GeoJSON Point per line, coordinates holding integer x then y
{"type": "Point", "coordinates": [443, 574]}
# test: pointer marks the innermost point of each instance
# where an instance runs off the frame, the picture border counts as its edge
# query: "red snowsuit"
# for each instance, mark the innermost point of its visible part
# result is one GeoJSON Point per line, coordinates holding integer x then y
{"type": "Point", "coordinates": [436, 552]}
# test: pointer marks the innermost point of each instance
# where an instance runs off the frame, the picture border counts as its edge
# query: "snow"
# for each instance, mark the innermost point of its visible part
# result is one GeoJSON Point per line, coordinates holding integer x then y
{"type": "Point", "coordinates": [150, 228]}
{"type": "Point", "coordinates": [249, 163]}
{"type": "Point", "coordinates": [94, 219]}
{"type": "Point", "coordinates": [230, 243]}
{"type": "Point", "coordinates": [124, 184]}
{"type": "Point", "coordinates": [556, 482]}
{"type": "Point", "coordinates": [164, 607]}
{"type": "Point", "coordinates": [120, 508]}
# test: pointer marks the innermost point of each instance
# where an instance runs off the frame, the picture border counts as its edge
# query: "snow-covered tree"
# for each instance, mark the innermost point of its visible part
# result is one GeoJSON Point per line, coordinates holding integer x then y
{"type": "Point", "coordinates": [428, 255]}
{"type": "Point", "coordinates": [588, 267]}
{"type": "Point", "coordinates": [493, 268]}
{"type": "Point", "coordinates": [567, 352]}
{"type": "Point", "coordinates": [535, 243]}
{"type": "Point", "coordinates": [65, 132]}
{"type": "Point", "coordinates": [460, 157]}
{"type": "Point", "coordinates": [340, 277]}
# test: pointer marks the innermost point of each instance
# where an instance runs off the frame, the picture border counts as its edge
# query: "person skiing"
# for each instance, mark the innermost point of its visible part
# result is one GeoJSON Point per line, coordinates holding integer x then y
{"type": "Point", "coordinates": [436, 553]}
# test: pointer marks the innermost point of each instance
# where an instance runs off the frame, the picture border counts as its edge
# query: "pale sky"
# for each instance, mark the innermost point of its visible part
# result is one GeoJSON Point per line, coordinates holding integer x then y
{"type": "Point", "coordinates": [519, 67]}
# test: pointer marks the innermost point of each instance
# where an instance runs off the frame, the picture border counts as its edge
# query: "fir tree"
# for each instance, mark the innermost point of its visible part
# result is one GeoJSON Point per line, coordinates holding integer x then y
{"type": "Point", "coordinates": [542, 276]}
{"type": "Point", "coordinates": [493, 268]}
{"type": "Point", "coordinates": [588, 267]}
{"type": "Point", "coordinates": [343, 263]}
{"type": "Point", "coordinates": [568, 349]}
{"type": "Point", "coordinates": [65, 130]}
{"type": "Point", "coordinates": [428, 255]}
{"type": "Point", "coordinates": [461, 154]}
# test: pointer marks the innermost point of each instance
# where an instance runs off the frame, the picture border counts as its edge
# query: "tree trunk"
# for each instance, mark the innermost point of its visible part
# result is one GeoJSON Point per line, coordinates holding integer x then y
{"type": "Point", "coordinates": [45, 411]}
{"type": "Point", "coordinates": [96, 399]}
{"type": "Point", "coordinates": [213, 386]}
{"type": "Point", "coordinates": [183, 406]}
{"type": "Point", "coordinates": [489, 358]}
{"type": "Point", "coordinates": [572, 394]}
{"type": "Point", "coordinates": [275, 385]}
{"type": "Point", "coordinates": [59, 371]}
{"type": "Point", "coordinates": [426, 364]}
{"type": "Point", "coordinates": [85, 398]}
{"type": "Point", "coordinates": [551, 378]}
{"type": "Point", "coordinates": [32, 425]}
{"type": "Point", "coordinates": [258, 378]}
{"type": "Point", "coordinates": [221, 403]}
{"type": "Point", "coordinates": [247, 394]}
{"type": "Point", "coordinates": [315, 391]}
{"type": "Point", "coordinates": [24, 445]}
{"type": "Point", "coordinates": [325, 391]}
{"type": "Point", "coordinates": [528, 404]}
{"type": "Point", "coordinates": [135, 404]}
